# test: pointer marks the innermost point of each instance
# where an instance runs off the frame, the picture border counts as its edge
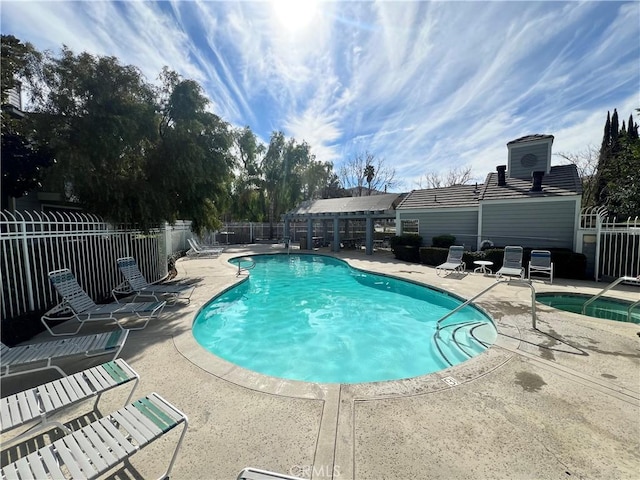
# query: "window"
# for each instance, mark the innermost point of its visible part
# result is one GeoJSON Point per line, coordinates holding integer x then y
{"type": "Point", "coordinates": [409, 226]}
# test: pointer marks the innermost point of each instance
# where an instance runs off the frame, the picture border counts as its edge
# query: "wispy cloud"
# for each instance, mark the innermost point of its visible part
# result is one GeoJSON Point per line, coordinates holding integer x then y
{"type": "Point", "coordinates": [427, 86]}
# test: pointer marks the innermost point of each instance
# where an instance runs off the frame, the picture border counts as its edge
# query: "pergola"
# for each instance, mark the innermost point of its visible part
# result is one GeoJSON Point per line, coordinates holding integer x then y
{"type": "Point", "coordinates": [336, 210]}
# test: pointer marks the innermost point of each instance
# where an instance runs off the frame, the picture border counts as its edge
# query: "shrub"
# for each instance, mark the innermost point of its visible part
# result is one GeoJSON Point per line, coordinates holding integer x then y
{"type": "Point", "coordinates": [443, 241]}
{"type": "Point", "coordinates": [408, 253]}
{"type": "Point", "coordinates": [433, 256]}
{"type": "Point", "coordinates": [409, 239]}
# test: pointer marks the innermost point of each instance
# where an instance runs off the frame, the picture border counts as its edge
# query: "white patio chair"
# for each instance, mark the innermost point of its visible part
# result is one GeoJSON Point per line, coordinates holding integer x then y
{"type": "Point", "coordinates": [40, 356]}
{"type": "Point", "coordinates": [39, 403]}
{"type": "Point", "coordinates": [511, 264]}
{"type": "Point", "coordinates": [454, 263]}
{"type": "Point", "coordinates": [95, 449]}
{"type": "Point", "coordinates": [77, 304]}
{"type": "Point", "coordinates": [541, 263]}
{"type": "Point", "coordinates": [136, 283]}
{"type": "Point", "coordinates": [197, 251]}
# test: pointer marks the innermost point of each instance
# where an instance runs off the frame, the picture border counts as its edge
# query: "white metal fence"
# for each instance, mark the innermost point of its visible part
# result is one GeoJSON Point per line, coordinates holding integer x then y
{"type": "Point", "coordinates": [612, 246]}
{"type": "Point", "coordinates": [35, 243]}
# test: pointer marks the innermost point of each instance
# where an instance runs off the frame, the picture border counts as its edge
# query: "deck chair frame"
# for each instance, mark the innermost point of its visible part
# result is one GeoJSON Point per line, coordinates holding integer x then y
{"type": "Point", "coordinates": [197, 251]}
{"type": "Point", "coordinates": [37, 404]}
{"type": "Point", "coordinates": [454, 263]}
{"type": "Point", "coordinates": [36, 357]}
{"type": "Point", "coordinates": [135, 282]}
{"type": "Point", "coordinates": [512, 263]}
{"type": "Point", "coordinates": [251, 473]}
{"type": "Point", "coordinates": [103, 444]}
{"type": "Point", "coordinates": [77, 304]}
{"type": "Point", "coordinates": [541, 263]}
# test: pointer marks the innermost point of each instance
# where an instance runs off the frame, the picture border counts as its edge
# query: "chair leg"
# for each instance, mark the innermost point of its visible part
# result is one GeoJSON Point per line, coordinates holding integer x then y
{"type": "Point", "coordinates": [64, 334]}
{"type": "Point", "coordinates": [166, 474]}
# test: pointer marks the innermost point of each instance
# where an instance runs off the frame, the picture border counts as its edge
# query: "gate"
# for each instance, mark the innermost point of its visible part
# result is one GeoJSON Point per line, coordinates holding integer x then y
{"type": "Point", "coordinates": [612, 246]}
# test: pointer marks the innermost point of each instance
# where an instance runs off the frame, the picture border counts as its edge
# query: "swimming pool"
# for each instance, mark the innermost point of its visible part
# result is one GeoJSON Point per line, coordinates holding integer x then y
{"type": "Point", "coordinates": [314, 318]}
{"type": "Point", "coordinates": [604, 307]}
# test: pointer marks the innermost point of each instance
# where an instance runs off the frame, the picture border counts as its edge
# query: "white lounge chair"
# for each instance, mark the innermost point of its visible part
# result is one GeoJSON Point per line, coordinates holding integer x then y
{"type": "Point", "coordinates": [197, 251]}
{"type": "Point", "coordinates": [136, 283]}
{"type": "Point", "coordinates": [512, 263]}
{"type": "Point", "coordinates": [40, 356]}
{"type": "Point", "coordinates": [38, 403]}
{"type": "Point", "coordinates": [454, 263]}
{"type": "Point", "coordinates": [258, 474]}
{"type": "Point", "coordinates": [541, 263]}
{"type": "Point", "coordinates": [77, 304]}
{"type": "Point", "coordinates": [95, 449]}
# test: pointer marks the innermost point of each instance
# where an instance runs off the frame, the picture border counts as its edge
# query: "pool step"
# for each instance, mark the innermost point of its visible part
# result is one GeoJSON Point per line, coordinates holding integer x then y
{"type": "Point", "coordinates": [457, 343]}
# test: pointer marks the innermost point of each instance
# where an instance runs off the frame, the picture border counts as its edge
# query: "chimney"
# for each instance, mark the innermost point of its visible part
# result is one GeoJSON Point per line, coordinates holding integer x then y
{"type": "Point", "coordinates": [501, 175]}
{"type": "Point", "coordinates": [536, 184]}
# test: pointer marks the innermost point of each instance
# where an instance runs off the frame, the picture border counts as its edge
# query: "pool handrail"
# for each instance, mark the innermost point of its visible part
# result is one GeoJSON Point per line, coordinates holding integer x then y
{"type": "Point", "coordinates": [510, 281]}
{"type": "Point", "coordinates": [606, 289]}
{"type": "Point", "coordinates": [240, 268]}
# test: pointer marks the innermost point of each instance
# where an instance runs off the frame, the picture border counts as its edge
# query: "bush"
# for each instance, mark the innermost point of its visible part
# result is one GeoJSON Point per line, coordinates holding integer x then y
{"type": "Point", "coordinates": [443, 241]}
{"type": "Point", "coordinates": [433, 256]}
{"type": "Point", "coordinates": [409, 239]}
{"type": "Point", "coordinates": [408, 253]}
{"type": "Point", "coordinates": [405, 247]}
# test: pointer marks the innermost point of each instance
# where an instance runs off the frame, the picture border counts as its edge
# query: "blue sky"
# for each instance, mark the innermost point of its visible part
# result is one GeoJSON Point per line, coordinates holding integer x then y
{"type": "Point", "coordinates": [426, 86]}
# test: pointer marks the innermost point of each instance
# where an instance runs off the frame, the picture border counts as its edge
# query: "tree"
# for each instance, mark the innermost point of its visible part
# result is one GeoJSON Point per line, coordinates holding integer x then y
{"type": "Point", "coordinates": [99, 118]}
{"type": "Point", "coordinates": [455, 176]}
{"type": "Point", "coordinates": [369, 174]}
{"type": "Point", "coordinates": [354, 173]}
{"type": "Point", "coordinates": [191, 163]}
{"type": "Point", "coordinates": [618, 174]}
{"type": "Point", "coordinates": [248, 192]}
{"type": "Point", "coordinates": [128, 151]}
{"type": "Point", "coordinates": [586, 162]}
{"type": "Point", "coordinates": [24, 162]}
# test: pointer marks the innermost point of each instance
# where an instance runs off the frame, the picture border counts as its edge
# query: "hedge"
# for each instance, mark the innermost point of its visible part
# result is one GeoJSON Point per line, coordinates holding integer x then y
{"type": "Point", "coordinates": [443, 241]}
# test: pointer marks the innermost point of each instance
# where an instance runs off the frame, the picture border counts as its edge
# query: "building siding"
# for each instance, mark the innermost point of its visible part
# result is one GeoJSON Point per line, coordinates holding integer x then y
{"type": "Point", "coordinates": [515, 168]}
{"type": "Point", "coordinates": [462, 224]}
{"type": "Point", "coordinates": [534, 225]}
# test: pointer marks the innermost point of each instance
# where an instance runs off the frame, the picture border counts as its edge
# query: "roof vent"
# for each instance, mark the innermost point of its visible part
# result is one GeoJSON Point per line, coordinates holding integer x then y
{"type": "Point", "coordinates": [536, 184]}
{"type": "Point", "coordinates": [502, 181]}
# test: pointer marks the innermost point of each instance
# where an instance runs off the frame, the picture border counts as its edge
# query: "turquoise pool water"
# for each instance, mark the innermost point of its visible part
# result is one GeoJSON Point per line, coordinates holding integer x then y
{"type": "Point", "coordinates": [604, 307]}
{"type": "Point", "coordinates": [314, 318]}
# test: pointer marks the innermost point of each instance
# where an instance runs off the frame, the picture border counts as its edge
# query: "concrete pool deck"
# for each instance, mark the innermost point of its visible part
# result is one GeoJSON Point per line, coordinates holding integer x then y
{"type": "Point", "coordinates": [560, 401]}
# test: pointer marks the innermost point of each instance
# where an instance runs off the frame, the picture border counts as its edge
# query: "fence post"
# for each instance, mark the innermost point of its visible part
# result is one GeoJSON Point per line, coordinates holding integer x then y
{"type": "Point", "coordinates": [168, 245]}
{"type": "Point", "coordinates": [27, 264]}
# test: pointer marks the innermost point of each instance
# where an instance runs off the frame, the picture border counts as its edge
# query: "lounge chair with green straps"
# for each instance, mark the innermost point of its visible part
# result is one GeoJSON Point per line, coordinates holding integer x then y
{"type": "Point", "coordinates": [37, 405]}
{"type": "Point", "coordinates": [95, 449]}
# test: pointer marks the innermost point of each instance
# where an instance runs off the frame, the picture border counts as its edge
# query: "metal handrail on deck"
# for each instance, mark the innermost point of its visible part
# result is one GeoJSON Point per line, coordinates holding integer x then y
{"type": "Point", "coordinates": [515, 281]}
{"type": "Point", "coordinates": [606, 289]}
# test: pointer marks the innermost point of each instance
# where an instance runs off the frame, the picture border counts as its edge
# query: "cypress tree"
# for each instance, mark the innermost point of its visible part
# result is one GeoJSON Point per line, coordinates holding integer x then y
{"type": "Point", "coordinates": [615, 133]}
{"type": "Point", "coordinates": [605, 153]}
{"type": "Point", "coordinates": [632, 129]}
